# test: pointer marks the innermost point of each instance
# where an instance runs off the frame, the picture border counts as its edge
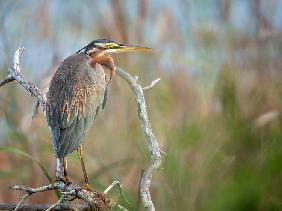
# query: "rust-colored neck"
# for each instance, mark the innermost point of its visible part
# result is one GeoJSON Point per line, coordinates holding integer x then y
{"type": "Point", "coordinates": [105, 60]}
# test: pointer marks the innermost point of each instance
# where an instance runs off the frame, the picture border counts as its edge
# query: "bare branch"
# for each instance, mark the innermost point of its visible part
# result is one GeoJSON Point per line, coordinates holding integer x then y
{"type": "Point", "coordinates": [7, 79]}
{"type": "Point", "coordinates": [17, 54]}
{"type": "Point", "coordinates": [116, 183]}
{"type": "Point", "coordinates": [24, 197]}
{"type": "Point", "coordinates": [15, 74]}
{"type": "Point", "coordinates": [16, 66]}
{"type": "Point", "coordinates": [154, 82]}
{"type": "Point", "coordinates": [61, 200]}
{"type": "Point", "coordinates": [93, 198]}
{"type": "Point", "coordinates": [154, 148]}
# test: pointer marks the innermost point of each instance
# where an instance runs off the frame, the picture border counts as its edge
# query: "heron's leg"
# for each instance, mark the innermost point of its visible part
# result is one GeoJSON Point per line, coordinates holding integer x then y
{"type": "Point", "coordinates": [79, 153]}
{"type": "Point", "coordinates": [65, 169]}
{"type": "Point", "coordinates": [59, 168]}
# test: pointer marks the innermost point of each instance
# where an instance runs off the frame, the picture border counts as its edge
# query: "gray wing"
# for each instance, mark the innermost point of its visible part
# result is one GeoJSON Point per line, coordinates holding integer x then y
{"type": "Point", "coordinates": [72, 108]}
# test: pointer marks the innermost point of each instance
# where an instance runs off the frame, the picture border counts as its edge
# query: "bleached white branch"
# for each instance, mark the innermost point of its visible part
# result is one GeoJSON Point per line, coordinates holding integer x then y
{"type": "Point", "coordinates": [15, 74]}
{"type": "Point", "coordinates": [17, 54]}
{"type": "Point", "coordinates": [155, 151]}
{"type": "Point", "coordinates": [153, 83]}
{"type": "Point", "coordinates": [114, 183]}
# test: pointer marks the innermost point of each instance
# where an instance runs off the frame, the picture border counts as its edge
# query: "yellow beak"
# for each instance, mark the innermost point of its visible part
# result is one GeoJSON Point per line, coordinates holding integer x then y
{"type": "Point", "coordinates": [128, 48]}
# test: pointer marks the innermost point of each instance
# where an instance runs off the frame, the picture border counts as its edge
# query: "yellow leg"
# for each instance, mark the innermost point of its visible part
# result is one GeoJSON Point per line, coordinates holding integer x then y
{"type": "Point", "coordinates": [79, 153]}
{"type": "Point", "coordinates": [65, 169]}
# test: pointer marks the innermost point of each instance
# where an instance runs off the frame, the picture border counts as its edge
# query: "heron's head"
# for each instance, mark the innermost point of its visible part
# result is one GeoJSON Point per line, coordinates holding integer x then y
{"type": "Point", "coordinates": [105, 46]}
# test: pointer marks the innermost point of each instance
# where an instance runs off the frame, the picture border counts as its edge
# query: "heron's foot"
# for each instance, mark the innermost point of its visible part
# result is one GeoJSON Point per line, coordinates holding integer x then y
{"type": "Point", "coordinates": [89, 187]}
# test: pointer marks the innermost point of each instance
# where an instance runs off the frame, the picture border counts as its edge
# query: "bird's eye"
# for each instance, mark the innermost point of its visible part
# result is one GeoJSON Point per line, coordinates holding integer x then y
{"type": "Point", "coordinates": [111, 45]}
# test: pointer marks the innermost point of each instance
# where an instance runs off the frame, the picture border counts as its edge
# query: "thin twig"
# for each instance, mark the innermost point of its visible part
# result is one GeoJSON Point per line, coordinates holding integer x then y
{"type": "Point", "coordinates": [57, 203]}
{"type": "Point", "coordinates": [153, 83]}
{"type": "Point", "coordinates": [117, 183]}
{"type": "Point", "coordinates": [114, 183]}
{"type": "Point", "coordinates": [152, 143]}
{"type": "Point", "coordinates": [24, 197]}
{"type": "Point", "coordinates": [7, 79]}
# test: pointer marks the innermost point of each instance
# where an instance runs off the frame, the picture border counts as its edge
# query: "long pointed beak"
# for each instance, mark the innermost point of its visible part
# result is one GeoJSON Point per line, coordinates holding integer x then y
{"type": "Point", "coordinates": [129, 48]}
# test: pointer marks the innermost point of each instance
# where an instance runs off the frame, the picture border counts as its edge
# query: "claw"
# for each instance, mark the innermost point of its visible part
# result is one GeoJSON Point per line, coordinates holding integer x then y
{"type": "Point", "coordinates": [89, 187]}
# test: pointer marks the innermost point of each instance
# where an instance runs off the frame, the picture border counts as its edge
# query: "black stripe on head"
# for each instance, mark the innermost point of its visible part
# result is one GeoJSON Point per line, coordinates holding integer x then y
{"type": "Point", "coordinates": [93, 45]}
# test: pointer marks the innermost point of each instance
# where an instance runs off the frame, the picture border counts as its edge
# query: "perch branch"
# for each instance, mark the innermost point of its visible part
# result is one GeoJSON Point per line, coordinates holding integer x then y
{"type": "Point", "coordinates": [93, 198]}
{"type": "Point", "coordinates": [155, 151]}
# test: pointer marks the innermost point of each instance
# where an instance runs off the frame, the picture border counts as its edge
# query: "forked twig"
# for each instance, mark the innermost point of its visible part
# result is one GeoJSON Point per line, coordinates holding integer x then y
{"type": "Point", "coordinates": [15, 74]}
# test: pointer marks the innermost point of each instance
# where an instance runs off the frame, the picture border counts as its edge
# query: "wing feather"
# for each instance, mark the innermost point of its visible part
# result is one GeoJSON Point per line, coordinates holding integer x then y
{"type": "Point", "coordinates": [73, 103]}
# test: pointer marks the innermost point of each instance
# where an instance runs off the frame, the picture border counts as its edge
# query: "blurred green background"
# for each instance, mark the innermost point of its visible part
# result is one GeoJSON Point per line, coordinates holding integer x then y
{"type": "Point", "coordinates": [216, 112]}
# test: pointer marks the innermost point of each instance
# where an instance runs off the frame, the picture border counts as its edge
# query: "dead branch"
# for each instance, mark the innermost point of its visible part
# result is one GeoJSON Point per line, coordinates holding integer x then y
{"type": "Point", "coordinates": [73, 191]}
{"type": "Point", "coordinates": [96, 200]}
{"type": "Point", "coordinates": [155, 151]}
{"type": "Point", "coordinates": [153, 83]}
{"type": "Point", "coordinates": [15, 74]}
